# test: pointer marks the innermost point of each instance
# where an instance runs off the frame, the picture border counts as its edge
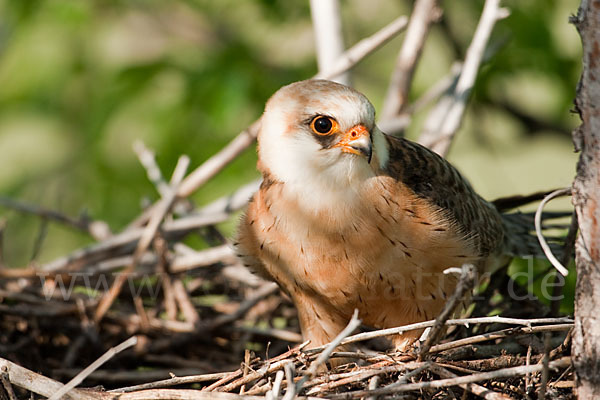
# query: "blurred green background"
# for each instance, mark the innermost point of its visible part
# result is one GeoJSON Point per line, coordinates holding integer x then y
{"type": "Point", "coordinates": [81, 80]}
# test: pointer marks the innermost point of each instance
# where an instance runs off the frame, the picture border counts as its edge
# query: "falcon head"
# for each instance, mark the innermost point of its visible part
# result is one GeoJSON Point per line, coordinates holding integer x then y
{"type": "Point", "coordinates": [320, 136]}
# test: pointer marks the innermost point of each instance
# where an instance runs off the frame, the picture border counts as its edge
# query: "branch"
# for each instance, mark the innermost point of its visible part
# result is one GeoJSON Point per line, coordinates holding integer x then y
{"type": "Point", "coordinates": [424, 12]}
{"type": "Point", "coordinates": [538, 230]}
{"type": "Point", "coordinates": [329, 39]}
{"type": "Point", "coordinates": [146, 237]}
{"type": "Point", "coordinates": [464, 286]}
{"type": "Point", "coordinates": [443, 122]}
{"type": "Point", "coordinates": [92, 367]}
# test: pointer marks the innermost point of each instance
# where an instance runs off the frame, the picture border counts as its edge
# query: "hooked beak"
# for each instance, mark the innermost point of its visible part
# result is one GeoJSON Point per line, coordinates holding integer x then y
{"type": "Point", "coordinates": [357, 141]}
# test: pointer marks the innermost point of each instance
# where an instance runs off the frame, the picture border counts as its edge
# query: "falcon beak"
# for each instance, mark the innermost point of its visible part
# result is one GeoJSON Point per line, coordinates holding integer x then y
{"type": "Point", "coordinates": [357, 140]}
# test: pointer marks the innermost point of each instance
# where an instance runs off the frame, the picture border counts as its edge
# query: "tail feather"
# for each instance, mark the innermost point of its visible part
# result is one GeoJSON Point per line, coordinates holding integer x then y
{"type": "Point", "coordinates": [521, 239]}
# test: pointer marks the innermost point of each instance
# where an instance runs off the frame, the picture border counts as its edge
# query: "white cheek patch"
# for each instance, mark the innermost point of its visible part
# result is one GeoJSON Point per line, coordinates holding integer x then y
{"type": "Point", "coordinates": [380, 147]}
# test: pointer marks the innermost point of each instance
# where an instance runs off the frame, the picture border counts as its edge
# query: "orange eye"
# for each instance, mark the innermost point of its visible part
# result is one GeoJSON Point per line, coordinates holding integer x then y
{"type": "Point", "coordinates": [324, 125]}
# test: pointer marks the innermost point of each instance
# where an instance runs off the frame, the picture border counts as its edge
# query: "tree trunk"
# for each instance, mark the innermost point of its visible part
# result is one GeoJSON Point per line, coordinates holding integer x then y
{"type": "Point", "coordinates": [586, 198]}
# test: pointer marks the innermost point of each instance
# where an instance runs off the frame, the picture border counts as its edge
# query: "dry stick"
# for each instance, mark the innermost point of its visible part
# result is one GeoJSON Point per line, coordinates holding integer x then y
{"type": "Point", "coordinates": [97, 229]}
{"type": "Point", "coordinates": [184, 302]}
{"type": "Point", "coordinates": [145, 239]}
{"type": "Point", "coordinates": [202, 258]}
{"type": "Point", "coordinates": [373, 383]}
{"type": "Point", "coordinates": [566, 257]}
{"type": "Point", "coordinates": [441, 383]}
{"type": "Point", "coordinates": [443, 122]}
{"type": "Point", "coordinates": [538, 230]}
{"type": "Point", "coordinates": [364, 47]}
{"type": "Point", "coordinates": [477, 390]}
{"type": "Point", "coordinates": [274, 392]}
{"type": "Point", "coordinates": [545, 371]}
{"type": "Point", "coordinates": [329, 348]}
{"type": "Point", "coordinates": [148, 161]}
{"type": "Point", "coordinates": [168, 291]}
{"type": "Point", "coordinates": [246, 368]}
{"type": "Point", "coordinates": [464, 286]}
{"type": "Point", "coordinates": [424, 12]}
{"type": "Point", "coordinates": [39, 384]}
{"type": "Point", "coordinates": [329, 39]}
{"type": "Point", "coordinates": [6, 383]}
{"type": "Point", "coordinates": [92, 367]}
{"type": "Point", "coordinates": [269, 367]}
{"type": "Point", "coordinates": [499, 335]}
{"type": "Point", "coordinates": [290, 392]}
{"type": "Point", "coordinates": [334, 381]}
{"type": "Point", "coordinates": [173, 382]}
{"type": "Point", "coordinates": [324, 356]}
{"type": "Point", "coordinates": [39, 240]}
{"type": "Point", "coordinates": [127, 239]}
{"type": "Point", "coordinates": [463, 321]}
{"type": "Point", "coordinates": [180, 394]}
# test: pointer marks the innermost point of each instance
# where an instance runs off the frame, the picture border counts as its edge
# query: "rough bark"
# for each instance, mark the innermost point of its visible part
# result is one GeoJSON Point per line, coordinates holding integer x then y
{"type": "Point", "coordinates": [586, 198]}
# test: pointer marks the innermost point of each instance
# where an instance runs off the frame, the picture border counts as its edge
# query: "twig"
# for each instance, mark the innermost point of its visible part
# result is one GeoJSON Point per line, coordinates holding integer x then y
{"type": "Point", "coordinates": [324, 356]}
{"type": "Point", "coordinates": [37, 383]}
{"type": "Point", "coordinates": [424, 12]}
{"type": "Point", "coordinates": [364, 47]}
{"type": "Point", "coordinates": [97, 229]}
{"type": "Point", "coordinates": [444, 121]}
{"type": "Point", "coordinates": [538, 230]}
{"type": "Point", "coordinates": [373, 383]}
{"type": "Point", "coordinates": [6, 383]}
{"type": "Point", "coordinates": [465, 321]}
{"type": "Point", "coordinates": [145, 239]}
{"type": "Point", "coordinates": [545, 370]}
{"type": "Point", "coordinates": [39, 240]}
{"type": "Point", "coordinates": [269, 367]}
{"type": "Point", "coordinates": [329, 39]}
{"type": "Point", "coordinates": [471, 387]}
{"type": "Point", "coordinates": [148, 161]}
{"type": "Point", "coordinates": [498, 335]}
{"type": "Point", "coordinates": [202, 258]}
{"type": "Point", "coordinates": [246, 368]}
{"type": "Point", "coordinates": [441, 383]}
{"type": "Point", "coordinates": [290, 392]}
{"type": "Point", "coordinates": [181, 394]}
{"type": "Point", "coordinates": [92, 367]}
{"type": "Point", "coordinates": [173, 382]}
{"type": "Point", "coordinates": [273, 394]}
{"type": "Point", "coordinates": [464, 286]}
{"type": "Point", "coordinates": [184, 302]}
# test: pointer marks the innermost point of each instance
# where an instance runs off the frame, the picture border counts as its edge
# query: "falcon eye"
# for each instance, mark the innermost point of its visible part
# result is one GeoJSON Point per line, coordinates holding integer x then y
{"type": "Point", "coordinates": [323, 125]}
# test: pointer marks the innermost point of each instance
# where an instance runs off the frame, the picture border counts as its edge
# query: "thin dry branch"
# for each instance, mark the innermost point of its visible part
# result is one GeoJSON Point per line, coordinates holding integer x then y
{"type": "Point", "coordinates": [329, 39]}
{"type": "Point", "coordinates": [146, 237]}
{"type": "Point", "coordinates": [99, 230]}
{"type": "Point", "coordinates": [441, 383]}
{"type": "Point", "coordinates": [464, 286]}
{"type": "Point", "coordinates": [474, 388]}
{"type": "Point", "coordinates": [538, 230]}
{"type": "Point", "coordinates": [445, 119]}
{"type": "Point", "coordinates": [92, 367]}
{"type": "Point", "coordinates": [424, 13]}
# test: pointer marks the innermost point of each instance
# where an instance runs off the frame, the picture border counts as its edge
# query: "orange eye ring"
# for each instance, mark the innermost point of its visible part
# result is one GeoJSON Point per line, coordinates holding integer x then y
{"type": "Point", "coordinates": [322, 125]}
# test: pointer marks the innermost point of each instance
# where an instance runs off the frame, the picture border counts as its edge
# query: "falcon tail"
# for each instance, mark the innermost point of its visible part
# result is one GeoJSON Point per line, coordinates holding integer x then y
{"type": "Point", "coordinates": [521, 239]}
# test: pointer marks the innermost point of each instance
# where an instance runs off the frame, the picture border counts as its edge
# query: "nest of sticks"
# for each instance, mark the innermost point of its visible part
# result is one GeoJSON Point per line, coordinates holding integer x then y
{"type": "Point", "coordinates": [139, 314]}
